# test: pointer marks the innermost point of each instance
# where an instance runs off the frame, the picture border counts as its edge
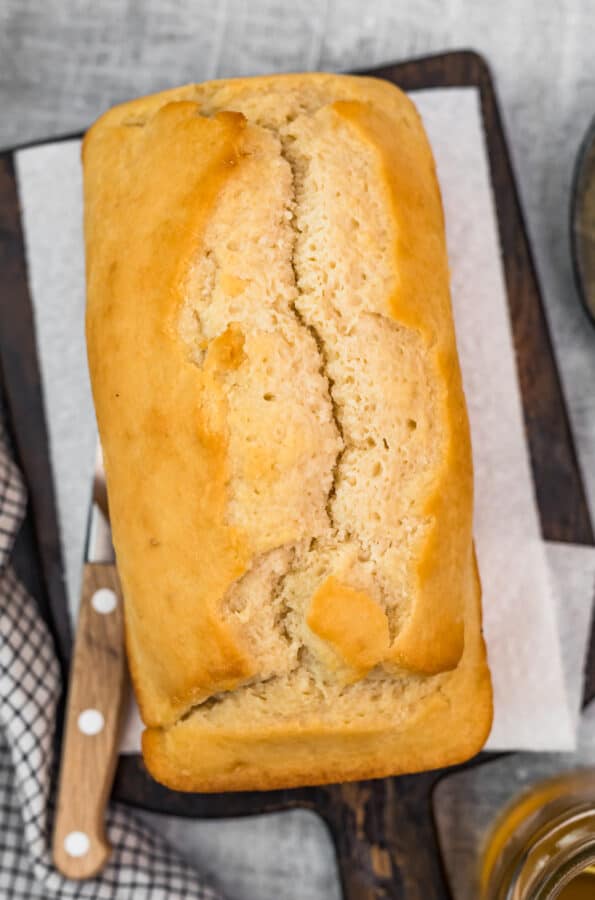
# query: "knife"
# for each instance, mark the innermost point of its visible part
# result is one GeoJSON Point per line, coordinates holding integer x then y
{"type": "Point", "coordinates": [96, 691]}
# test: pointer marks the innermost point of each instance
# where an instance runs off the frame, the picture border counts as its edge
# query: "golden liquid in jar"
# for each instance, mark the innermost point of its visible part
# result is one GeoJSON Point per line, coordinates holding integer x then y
{"type": "Point", "coordinates": [580, 888]}
{"type": "Point", "coordinates": [538, 828]}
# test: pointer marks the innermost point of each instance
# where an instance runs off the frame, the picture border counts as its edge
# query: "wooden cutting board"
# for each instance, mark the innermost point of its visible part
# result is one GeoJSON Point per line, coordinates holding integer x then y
{"type": "Point", "coordinates": [383, 830]}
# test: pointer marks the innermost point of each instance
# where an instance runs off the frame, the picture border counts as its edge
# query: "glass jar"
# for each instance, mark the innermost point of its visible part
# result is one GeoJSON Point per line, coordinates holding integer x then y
{"type": "Point", "coordinates": [543, 845]}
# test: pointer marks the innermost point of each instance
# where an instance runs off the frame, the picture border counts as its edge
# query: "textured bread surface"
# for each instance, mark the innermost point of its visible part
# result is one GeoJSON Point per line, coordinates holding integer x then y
{"type": "Point", "coordinates": [278, 393]}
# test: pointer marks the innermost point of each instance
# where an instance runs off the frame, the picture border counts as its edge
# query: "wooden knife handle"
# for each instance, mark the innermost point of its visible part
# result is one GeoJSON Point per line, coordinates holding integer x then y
{"type": "Point", "coordinates": [93, 717]}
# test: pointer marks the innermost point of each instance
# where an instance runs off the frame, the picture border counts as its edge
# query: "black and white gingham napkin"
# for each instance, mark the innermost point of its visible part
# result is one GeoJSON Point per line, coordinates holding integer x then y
{"type": "Point", "coordinates": [142, 867]}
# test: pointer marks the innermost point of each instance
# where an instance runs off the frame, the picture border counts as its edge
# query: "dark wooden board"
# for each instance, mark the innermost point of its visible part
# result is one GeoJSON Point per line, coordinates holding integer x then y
{"type": "Point", "coordinates": [382, 830]}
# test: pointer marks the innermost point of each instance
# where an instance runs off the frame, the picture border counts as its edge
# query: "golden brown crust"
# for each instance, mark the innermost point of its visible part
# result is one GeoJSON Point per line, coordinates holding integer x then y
{"type": "Point", "coordinates": [432, 639]}
{"type": "Point", "coordinates": [163, 463]}
{"type": "Point", "coordinates": [449, 726]}
{"type": "Point", "coordinates": [154, 170]}
{"type": "Point", "coordinates": [353, 625]}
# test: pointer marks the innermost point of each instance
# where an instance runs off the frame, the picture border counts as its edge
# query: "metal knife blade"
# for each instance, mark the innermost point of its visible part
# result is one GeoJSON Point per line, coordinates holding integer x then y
{"type": "Point", "coordinates": [99, 547]}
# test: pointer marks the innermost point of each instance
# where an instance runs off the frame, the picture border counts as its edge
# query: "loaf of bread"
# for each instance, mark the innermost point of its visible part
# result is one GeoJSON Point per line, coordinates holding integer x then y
{"type": "Point", "coordinates": [286, 443]}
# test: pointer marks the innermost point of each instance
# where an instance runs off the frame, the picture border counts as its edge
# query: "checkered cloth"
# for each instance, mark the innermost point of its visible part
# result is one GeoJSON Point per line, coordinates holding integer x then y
{"type": "Point", "coordinates": [142, 867]}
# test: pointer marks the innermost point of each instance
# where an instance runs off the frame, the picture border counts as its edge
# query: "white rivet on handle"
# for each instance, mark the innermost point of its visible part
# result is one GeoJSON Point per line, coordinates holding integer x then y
{"type": "Point", "coordinates": [104, 601]}
{"type": "Point", "coordinates": [77, 843]}
{"type": "Point", "coordinates": [90, 721]}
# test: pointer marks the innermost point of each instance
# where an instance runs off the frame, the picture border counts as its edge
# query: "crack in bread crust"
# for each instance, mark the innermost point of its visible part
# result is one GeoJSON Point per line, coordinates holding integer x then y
{"type": "Point", "coordinates": [341, 542]}
{"type": "Point", "coordinates": [334, 405]}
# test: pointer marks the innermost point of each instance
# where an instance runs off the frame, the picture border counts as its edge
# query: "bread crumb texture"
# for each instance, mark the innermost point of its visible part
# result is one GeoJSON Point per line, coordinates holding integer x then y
{"type": "Point", "coordinates": [287, 450]}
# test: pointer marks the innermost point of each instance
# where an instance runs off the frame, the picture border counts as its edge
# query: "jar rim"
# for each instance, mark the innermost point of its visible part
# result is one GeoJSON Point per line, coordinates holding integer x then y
{"type": "Point", "coordinates": [559, 874]}
{"type": "Point", "coordinates": [550, 847]}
